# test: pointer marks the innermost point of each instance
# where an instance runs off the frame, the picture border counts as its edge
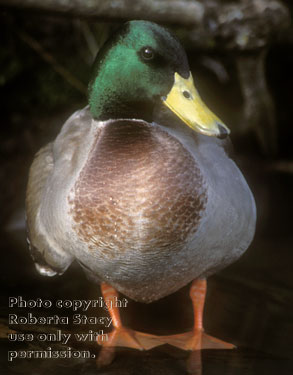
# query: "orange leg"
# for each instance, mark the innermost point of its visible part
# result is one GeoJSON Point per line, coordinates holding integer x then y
{"type": "Point", "coordinates": [120, 335]}
{"type": "Point", "coordinates": [197, 339]}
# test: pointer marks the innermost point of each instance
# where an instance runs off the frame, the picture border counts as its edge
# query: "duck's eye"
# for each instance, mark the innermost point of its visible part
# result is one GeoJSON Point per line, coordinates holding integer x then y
{"type": "Point", "coordinates": [147, 53]}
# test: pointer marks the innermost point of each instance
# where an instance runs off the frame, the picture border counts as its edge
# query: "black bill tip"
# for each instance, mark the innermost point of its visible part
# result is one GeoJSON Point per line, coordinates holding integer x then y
{"type": "Point", "coordinates": [223, 132]}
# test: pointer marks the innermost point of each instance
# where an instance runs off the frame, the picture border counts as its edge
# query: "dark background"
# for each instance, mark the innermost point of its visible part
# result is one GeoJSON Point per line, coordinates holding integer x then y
{"type": "Point", "coordinates": [45, 64]}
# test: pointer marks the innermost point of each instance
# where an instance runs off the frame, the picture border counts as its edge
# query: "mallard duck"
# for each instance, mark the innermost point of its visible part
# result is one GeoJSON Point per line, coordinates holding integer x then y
{"type": "Point", "coordinates": [138, 188]}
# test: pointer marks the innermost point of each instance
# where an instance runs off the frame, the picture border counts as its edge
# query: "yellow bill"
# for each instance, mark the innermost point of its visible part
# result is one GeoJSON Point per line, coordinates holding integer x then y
{"type": "Point", "coordinates": [184, 100]}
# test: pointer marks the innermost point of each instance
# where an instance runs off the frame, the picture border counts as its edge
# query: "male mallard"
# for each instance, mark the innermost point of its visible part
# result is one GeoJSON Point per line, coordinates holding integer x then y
{"type": "Point", "coordinates": [144, 203]}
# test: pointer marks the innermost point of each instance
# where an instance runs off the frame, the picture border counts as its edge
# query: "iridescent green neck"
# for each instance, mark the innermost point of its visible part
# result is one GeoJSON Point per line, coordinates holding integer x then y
{"type": "Point", "coordinates": [121, 87]}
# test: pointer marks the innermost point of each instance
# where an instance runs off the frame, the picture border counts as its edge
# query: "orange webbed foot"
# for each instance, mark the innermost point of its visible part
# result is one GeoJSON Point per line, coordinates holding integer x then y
{"type": "Point", "coordinates": [196, 340]}
{"type": "Point", "coordinates": [126, 337]}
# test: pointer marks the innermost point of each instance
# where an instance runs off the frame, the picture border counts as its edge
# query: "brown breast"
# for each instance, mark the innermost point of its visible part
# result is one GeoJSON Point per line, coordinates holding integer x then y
{"type": "Point", "coordinates": [140, 188]}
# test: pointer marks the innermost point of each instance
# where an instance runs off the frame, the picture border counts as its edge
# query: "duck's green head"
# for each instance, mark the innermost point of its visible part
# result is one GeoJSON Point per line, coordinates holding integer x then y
{"type": "Point", "coordinates": [143, 65]}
